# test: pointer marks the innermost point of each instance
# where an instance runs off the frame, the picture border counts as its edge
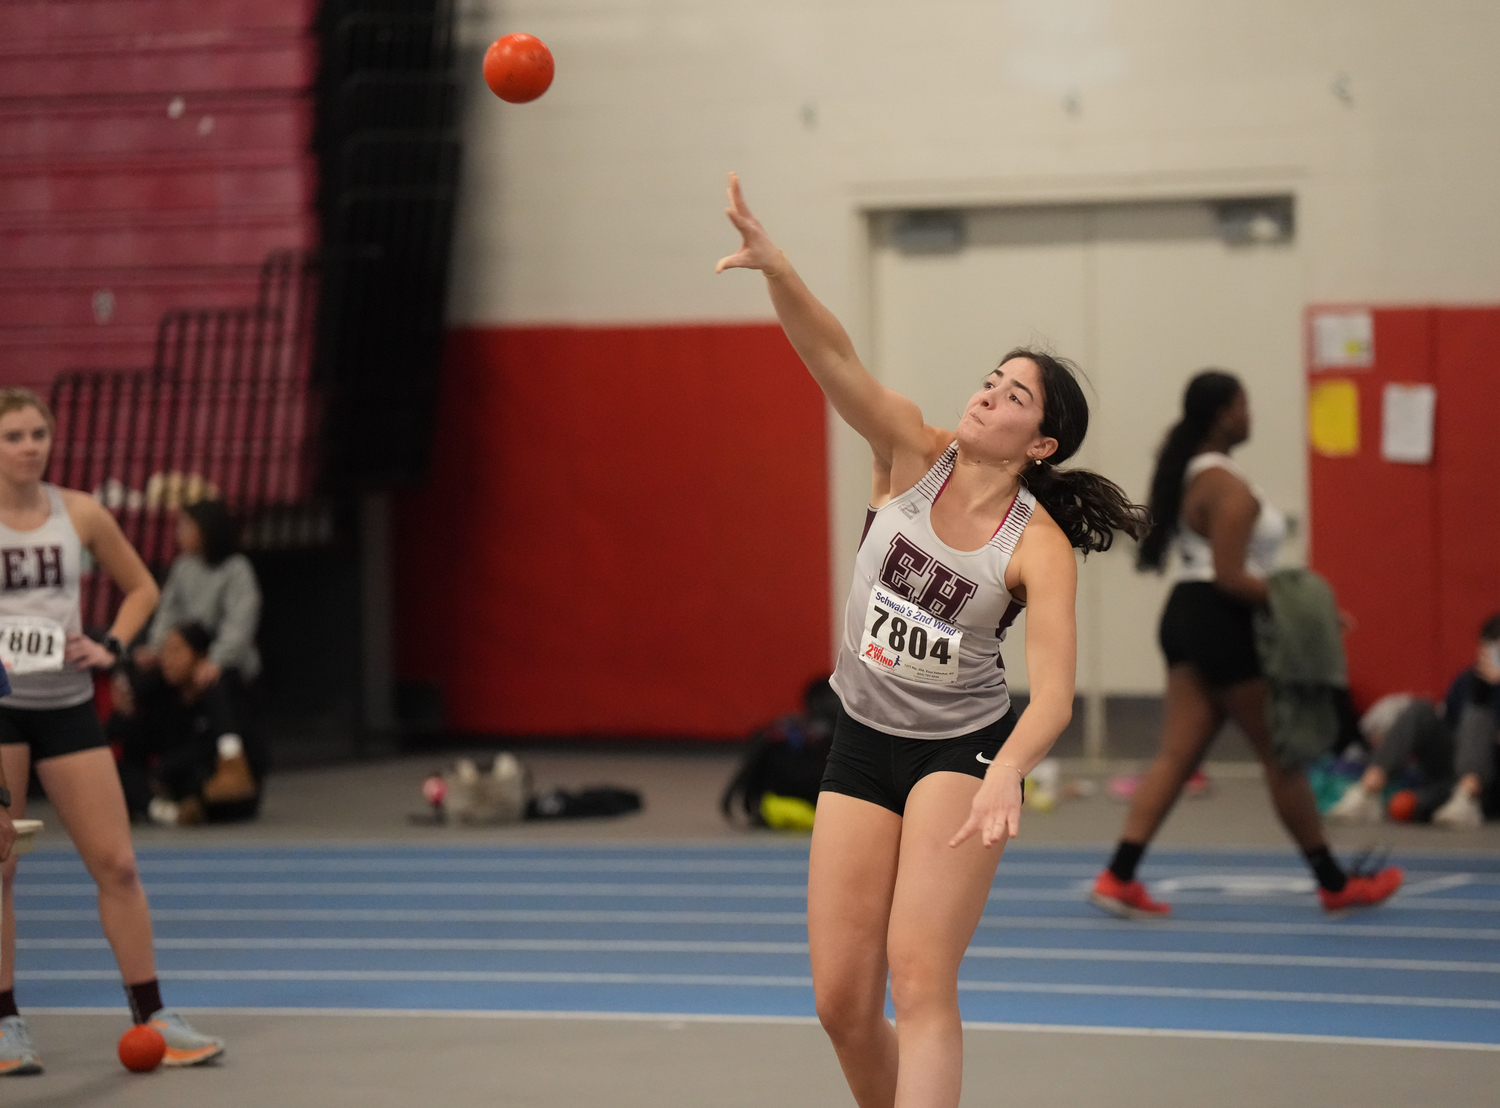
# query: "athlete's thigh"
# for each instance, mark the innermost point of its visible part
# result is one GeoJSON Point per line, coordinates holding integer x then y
{"type": "Point", "coordinates": [1192, 714]}
{"type": "Point", "coordinates": [1245, 703]}
{"type": "Point", "coordinates": [16, 758]}
{"type": "Point", "coordinates": [84, 790]}
{"type": "Point", "coordinates": [941, 890]}
{"type": "Point", "coordinates": [850, 878]}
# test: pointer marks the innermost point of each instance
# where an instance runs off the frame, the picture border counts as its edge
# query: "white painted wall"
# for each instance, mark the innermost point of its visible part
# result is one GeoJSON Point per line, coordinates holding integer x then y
{"type": "Point", "coordinates": [601, 202]}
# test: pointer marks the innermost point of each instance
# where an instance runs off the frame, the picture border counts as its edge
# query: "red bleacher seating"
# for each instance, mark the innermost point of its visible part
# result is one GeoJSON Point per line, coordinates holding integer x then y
{"type": "Point", "coordinates": [152, 154]}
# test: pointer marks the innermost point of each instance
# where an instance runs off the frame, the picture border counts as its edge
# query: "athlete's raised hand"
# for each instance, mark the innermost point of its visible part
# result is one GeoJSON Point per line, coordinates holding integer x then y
{"type": "Point", "coordinates": [756, 251]}
{"type": "Point", "coordinates": [996, 812]}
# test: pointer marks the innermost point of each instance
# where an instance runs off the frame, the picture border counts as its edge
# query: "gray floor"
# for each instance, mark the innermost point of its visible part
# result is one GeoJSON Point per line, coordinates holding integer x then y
{"type": "Point", "coordinates": [376, 1061]}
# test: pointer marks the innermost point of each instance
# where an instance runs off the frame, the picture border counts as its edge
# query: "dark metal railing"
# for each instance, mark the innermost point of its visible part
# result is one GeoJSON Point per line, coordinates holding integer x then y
{"type": "Point", "coordinates": [226, 410]}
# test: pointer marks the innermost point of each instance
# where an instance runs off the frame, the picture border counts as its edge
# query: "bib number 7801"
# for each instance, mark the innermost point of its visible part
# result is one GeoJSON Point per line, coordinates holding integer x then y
{"type": "Point", "coordinates": [904, 641]}
{"type": "Point", "coordinates": [29, 644]}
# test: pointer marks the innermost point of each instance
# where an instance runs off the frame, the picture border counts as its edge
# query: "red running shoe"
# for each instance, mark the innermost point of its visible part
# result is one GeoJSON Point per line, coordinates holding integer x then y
{"type": "Point", "coordinates": [1127, 899]}
{"type": "Point", "coordinates": [1362, 891]}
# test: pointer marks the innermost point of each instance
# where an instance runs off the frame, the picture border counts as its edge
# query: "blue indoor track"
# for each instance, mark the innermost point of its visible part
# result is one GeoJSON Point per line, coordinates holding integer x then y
{"type": "Point", "coordinates": [720, 930]}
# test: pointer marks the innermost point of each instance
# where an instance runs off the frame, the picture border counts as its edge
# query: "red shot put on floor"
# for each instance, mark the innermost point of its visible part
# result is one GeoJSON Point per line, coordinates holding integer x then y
{"type": "Point", "coordinates": [518, 68]}
{"type": "Point", "coordinates": [142, 1048]}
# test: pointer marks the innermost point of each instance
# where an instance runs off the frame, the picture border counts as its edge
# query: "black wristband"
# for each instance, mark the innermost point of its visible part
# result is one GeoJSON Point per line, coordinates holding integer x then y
{"type": "Point", "coordinates": [4, 798]}
{"type": "Point", "coordinates": [114, 646]}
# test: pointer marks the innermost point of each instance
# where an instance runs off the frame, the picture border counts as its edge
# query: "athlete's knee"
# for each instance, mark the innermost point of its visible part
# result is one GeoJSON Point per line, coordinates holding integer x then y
{"type": "Point", "coordinates": [116, 871]}
{"type": "Point", "coordinates": [848, 1011]}
{"type": "Point", "coordinates": [921, 982]}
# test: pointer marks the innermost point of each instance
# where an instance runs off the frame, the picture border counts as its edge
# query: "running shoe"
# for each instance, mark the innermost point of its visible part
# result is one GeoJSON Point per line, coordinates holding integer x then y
{"type": "Point", "coordinates": [185, 1045]}
{"type": "Point", "coordinates": [17, 1054]}
{"type": "Point", "coordinates": [1461, 813]}
{"type": "Point", "coordinates": [1357, 805]}
{"type": "Point", "coordinates": [1362, 891]}
{"type": "Point", "coordinates": [1126, 899]}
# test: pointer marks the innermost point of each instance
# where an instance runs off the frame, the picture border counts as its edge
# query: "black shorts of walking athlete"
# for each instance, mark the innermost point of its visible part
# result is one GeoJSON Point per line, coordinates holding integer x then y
{"type": "Point", "coordinates": [1214, 632]}
{"type": "Point", "coordinates": [870, 765]}
{"type": "Point", "coordinates": [52, 732]}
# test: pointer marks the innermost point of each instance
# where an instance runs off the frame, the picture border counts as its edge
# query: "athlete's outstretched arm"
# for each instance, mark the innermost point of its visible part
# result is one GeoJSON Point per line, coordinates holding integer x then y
{"type": "Point", "coordinates": [886, 420]}
{"type": "Point", "coordinates": [1050, 577]}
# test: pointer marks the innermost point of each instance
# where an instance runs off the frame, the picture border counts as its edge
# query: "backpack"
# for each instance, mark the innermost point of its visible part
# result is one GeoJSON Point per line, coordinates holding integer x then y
{"type": "Point", "coordinates": [786, 758]}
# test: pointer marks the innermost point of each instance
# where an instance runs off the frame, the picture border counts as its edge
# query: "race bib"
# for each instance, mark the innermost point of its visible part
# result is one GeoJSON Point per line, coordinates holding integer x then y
{"type": "Point", "coordinates": [29, 644]}
{"type": "Point", "coordinates": [904, 641]}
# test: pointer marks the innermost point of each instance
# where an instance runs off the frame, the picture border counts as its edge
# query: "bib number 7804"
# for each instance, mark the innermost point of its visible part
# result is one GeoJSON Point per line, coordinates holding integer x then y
{"type": "Point", "coordinates": [904, 641]}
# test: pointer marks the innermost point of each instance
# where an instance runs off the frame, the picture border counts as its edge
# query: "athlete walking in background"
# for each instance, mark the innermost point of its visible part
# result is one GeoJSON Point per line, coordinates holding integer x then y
{"type": "Point", "coordinates": [1227, 535]}
{"type": "Point", "coordinates": [923, 786]}
{"type": "Point", "coordinates": [48, 721]}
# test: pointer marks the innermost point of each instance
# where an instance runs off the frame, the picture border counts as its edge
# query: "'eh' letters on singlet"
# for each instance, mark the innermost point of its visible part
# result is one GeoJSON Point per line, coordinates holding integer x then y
{"type": "Point", "coordinates": [33, 567]}
{"type": "Point", "coordinates": [915, 575]}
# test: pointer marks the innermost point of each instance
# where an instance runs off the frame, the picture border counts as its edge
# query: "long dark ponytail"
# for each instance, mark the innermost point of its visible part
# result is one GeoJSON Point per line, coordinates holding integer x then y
{"type": "Point", "coordinates": [1089, 508]}
{"type": "Point", "coordinates": [1207, 395]}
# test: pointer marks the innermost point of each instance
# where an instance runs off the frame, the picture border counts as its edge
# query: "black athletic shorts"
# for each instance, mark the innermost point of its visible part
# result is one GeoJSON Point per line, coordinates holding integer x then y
{"type": "Point", "coordinates": [52, 732]}
{"type": "Point", "coordinates": [1206, 627]}
{"type": "Point", "coordinates": [871, 765]}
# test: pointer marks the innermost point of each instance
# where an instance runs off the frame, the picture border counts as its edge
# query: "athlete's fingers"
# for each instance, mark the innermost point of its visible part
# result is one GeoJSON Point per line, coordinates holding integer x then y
{"type": "Point", "coordinates": [966, 831]}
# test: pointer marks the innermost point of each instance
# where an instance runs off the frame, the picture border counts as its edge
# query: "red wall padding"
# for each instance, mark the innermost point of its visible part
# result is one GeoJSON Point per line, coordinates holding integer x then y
{"type": "Point", "coordinates": [624, 533]}
{"type": "Point", "coordinates": [1413, 551]}
{"type": "Point", "coordinates": [1468, 479]}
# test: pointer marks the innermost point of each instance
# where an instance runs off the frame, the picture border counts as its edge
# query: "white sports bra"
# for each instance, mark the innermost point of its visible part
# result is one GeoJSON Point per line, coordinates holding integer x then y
{"type": "Point", "coordinates": [1195, 554]}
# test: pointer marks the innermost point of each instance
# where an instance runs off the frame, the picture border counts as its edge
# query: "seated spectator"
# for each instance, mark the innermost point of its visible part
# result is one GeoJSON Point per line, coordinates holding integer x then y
{"type": "Point", "coordinates": [1453, 752]}
{"type": "Point", "coordinates": [186, 755]}
{"type": "Point", "coordinates": [213, 585]}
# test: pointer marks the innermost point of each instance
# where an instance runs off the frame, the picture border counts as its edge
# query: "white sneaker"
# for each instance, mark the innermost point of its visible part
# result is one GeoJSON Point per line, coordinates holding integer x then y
{"type": "Point", "coordinates": [1357, 805]}
{"type": "Point", "coordinates": [17, 1053]}
{"type": "Point", "coordinates": [1461, 813]}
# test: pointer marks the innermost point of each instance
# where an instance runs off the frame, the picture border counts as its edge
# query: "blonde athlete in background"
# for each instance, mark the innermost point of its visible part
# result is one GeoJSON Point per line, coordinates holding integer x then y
{"type": "Point", "coordinates": [923, 786]}
{"type": "Point", "coordinates": [48, 721]}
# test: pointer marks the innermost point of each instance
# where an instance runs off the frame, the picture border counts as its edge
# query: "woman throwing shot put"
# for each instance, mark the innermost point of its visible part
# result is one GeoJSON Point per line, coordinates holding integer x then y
{"type": "Point", "coordinates": [48, 721]}
{"type": "Point", "coordinates": [923, 786]}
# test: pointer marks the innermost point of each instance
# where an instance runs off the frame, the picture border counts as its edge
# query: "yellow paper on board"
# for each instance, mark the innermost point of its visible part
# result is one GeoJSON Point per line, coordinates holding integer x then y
{"type": "Point", "coordinates": [1333, 418]}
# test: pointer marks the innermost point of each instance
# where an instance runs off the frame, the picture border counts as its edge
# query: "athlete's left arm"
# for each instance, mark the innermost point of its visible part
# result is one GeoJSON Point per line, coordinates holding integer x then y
{"type": "Point", "coordinates": [1044, 567]}
{"type": "Point", "coordinates": [1049, 572]}
{"type": "Point", "coordinates": [98, 531]}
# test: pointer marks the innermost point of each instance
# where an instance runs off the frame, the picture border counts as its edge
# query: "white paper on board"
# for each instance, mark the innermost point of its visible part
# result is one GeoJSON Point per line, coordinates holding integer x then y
{"type": "Point", "coordinates": [1343, 340]}
{"type": "Point", "coordinates": [1406, 423]}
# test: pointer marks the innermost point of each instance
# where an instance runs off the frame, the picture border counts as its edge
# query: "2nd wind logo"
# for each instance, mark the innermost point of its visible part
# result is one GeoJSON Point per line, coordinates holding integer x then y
{"type": "Point", "coordinates": [876, 653]}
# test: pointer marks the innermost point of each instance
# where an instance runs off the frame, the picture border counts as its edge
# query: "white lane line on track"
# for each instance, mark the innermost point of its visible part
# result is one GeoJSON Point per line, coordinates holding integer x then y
{"type": "Point", "coordinates": [651, 946]}
{"type": "Point", "coordinates": [1079, 871]}
{"type": "Point", "coordinates": [618, 891]}
{"type": "Point", "coordinates": [1439, 884]}
{"type": "Point", "coordinates": [736, 919]}
{"type": "Point", "coordinates": [775, 981]}
{"type": "Point", "coordinates": [804, 1021]}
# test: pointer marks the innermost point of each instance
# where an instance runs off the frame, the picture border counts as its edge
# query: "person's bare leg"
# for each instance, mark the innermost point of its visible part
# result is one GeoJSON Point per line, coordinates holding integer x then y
{"type": "Point", "coordinates": [851, 874]}
{"type": "Point", "coordinates": [16, 757]}
{"type": "Point", "coordinates": [940, 895]}
{"type": "Point", "coordinates": [1245, 703]}
{"type": "Point", "coordinates": [84, 789]}
{"type": "Point", "coordinates": [1191, 721]}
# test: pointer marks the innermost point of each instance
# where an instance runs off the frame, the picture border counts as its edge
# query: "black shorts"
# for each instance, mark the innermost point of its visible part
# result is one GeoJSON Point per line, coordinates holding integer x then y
{"type": "Point", "coordinates": [52, 732]}
{"type": "Point", "coordinates": [870, 765]}
{"type": "Point", "coordinates": [1212, 631]}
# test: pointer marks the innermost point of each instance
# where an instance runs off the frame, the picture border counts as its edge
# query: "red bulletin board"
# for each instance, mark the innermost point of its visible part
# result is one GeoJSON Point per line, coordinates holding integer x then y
{"type": "Point", "coordinates": [1413, 550]}
{"type": "Point", "coordinates": [624, 533]}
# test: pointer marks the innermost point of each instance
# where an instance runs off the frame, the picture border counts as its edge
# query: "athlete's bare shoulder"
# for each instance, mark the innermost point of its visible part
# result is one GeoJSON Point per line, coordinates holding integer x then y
{"type": "Point", "coordinates": [909, 466]}
{"type": "Point", "coordinates": [86, 513]}
{"type": "Point", "coordinates": [1043, 550]}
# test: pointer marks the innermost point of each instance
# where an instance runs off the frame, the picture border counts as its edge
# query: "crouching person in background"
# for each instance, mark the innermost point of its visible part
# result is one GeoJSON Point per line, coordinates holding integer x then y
{"type": "Point", "coordinates": [187, 754]}
{"type": "Point", "coordinates": [1452, 746]}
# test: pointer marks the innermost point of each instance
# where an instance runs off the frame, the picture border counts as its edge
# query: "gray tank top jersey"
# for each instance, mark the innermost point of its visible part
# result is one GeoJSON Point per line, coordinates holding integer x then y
{"type": "Point", "coordinates": [40, 572]}
{"type": "Point", "coordinates": [913, 597]}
